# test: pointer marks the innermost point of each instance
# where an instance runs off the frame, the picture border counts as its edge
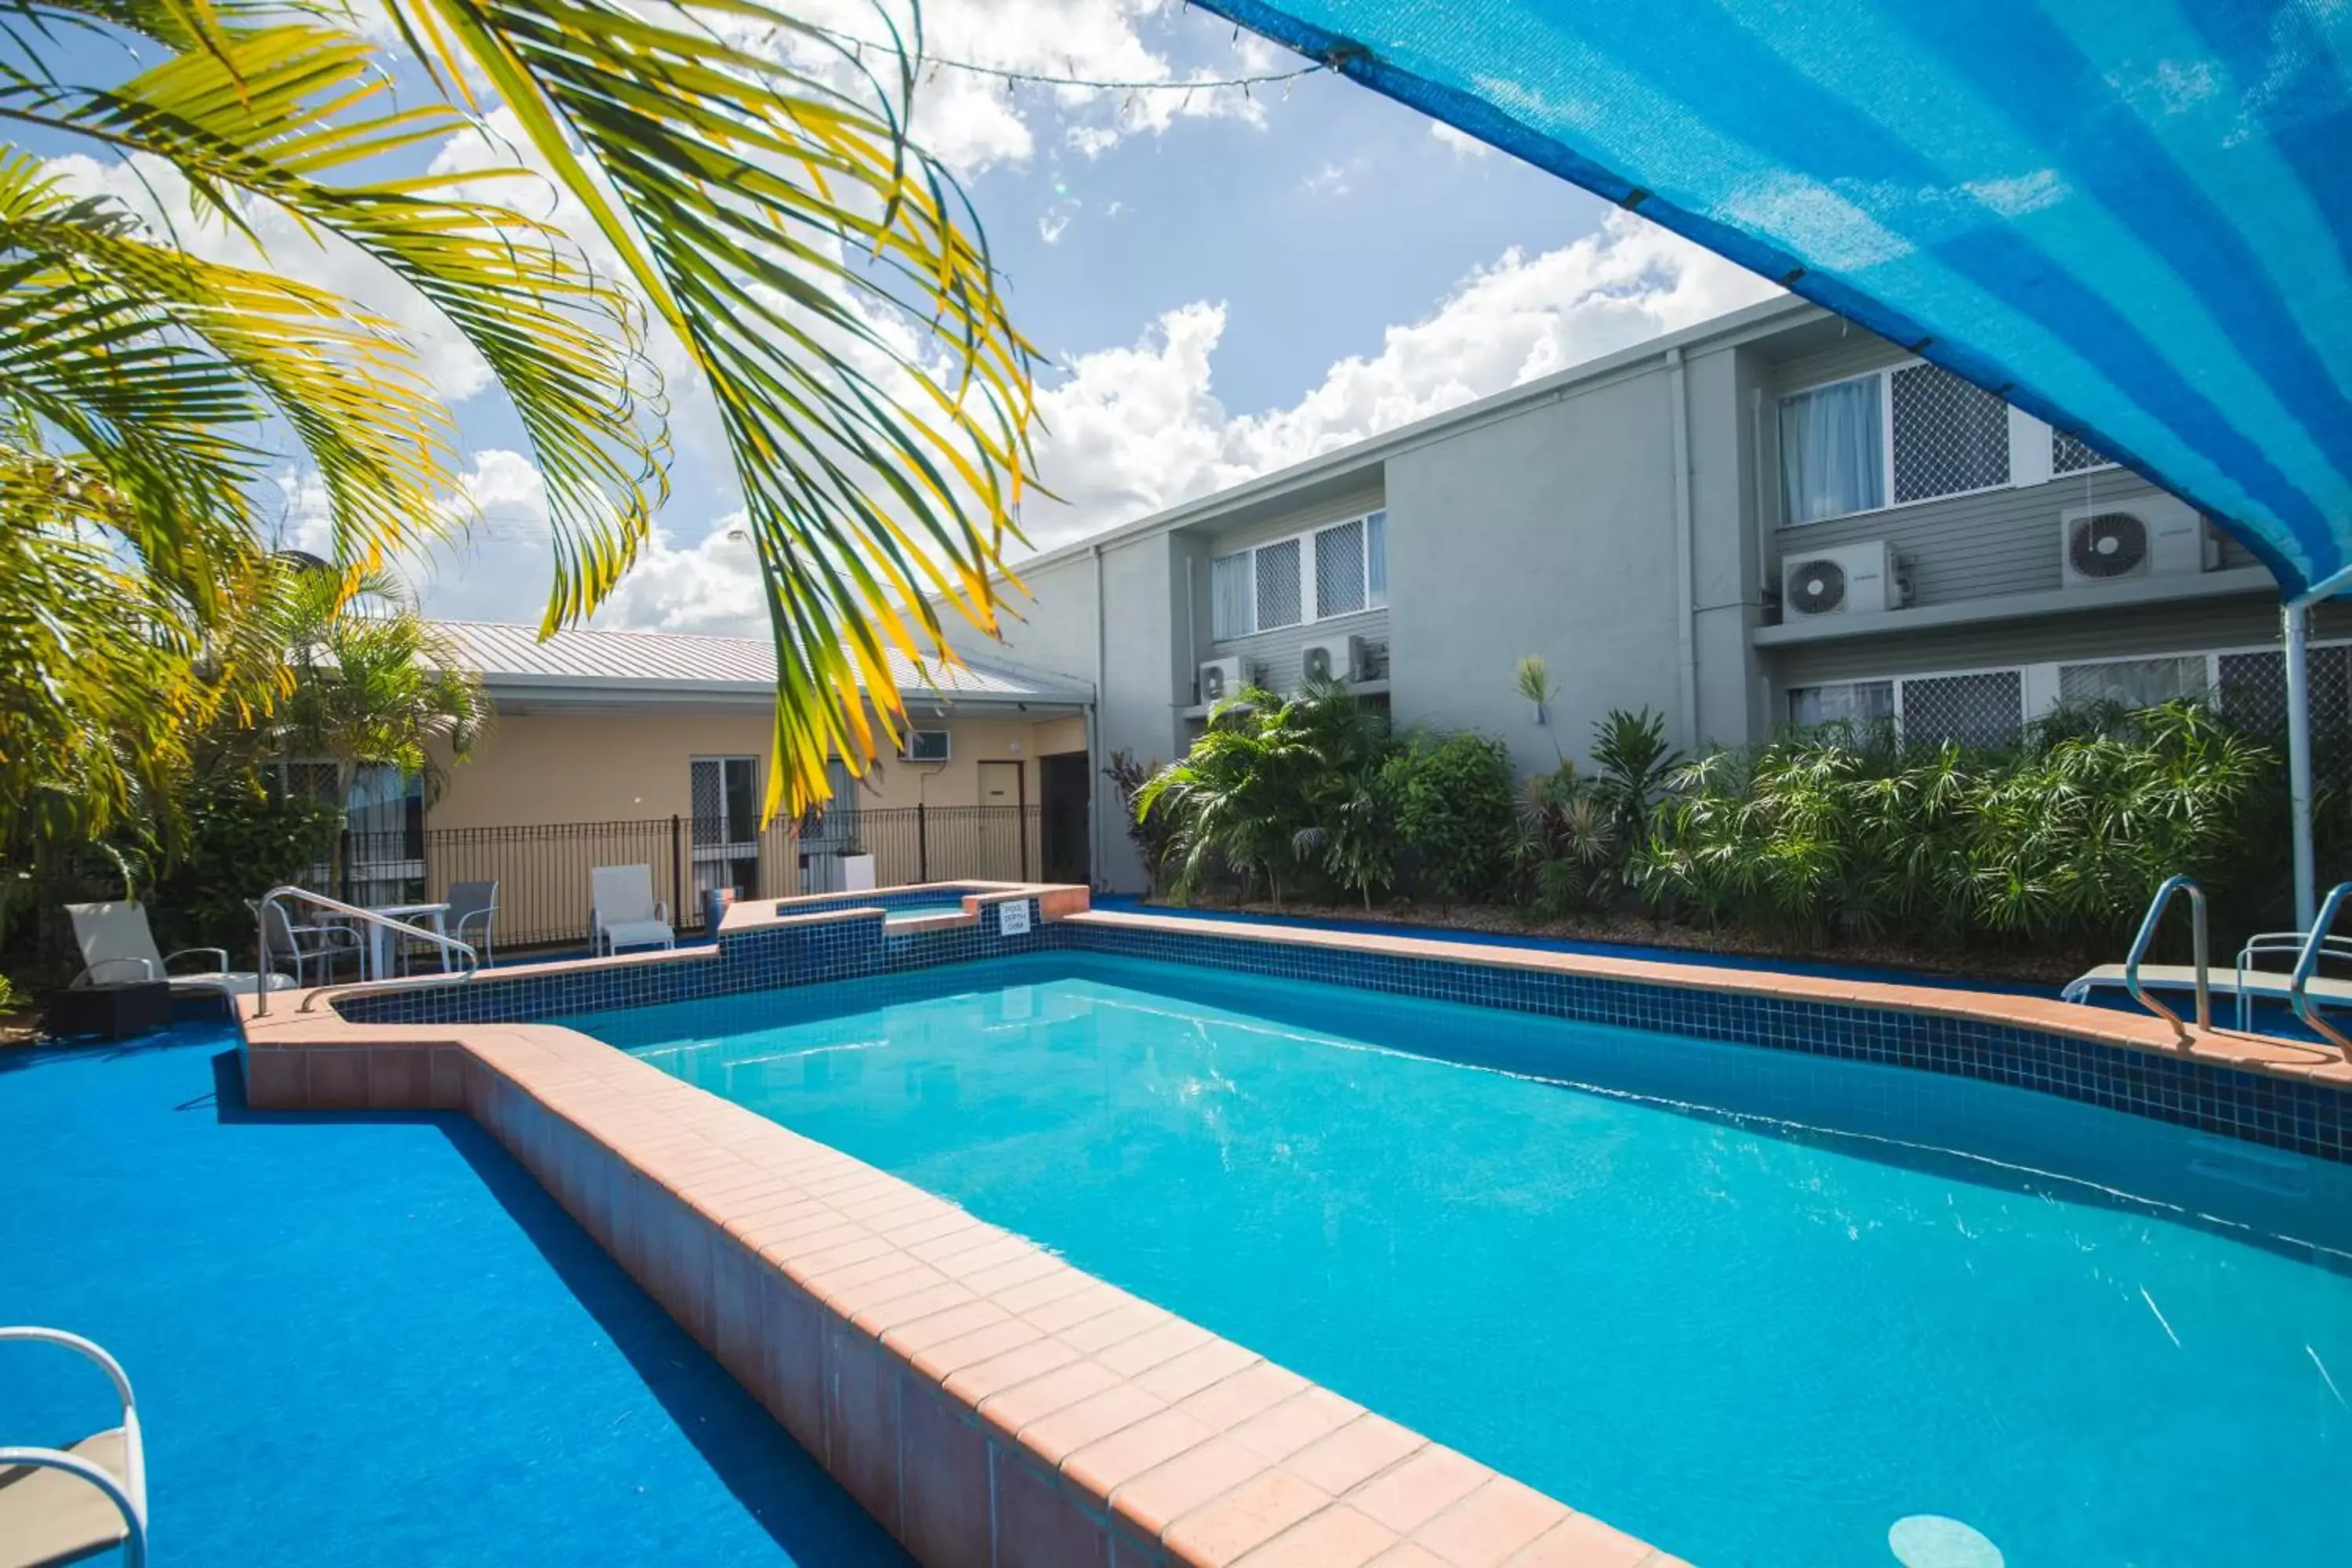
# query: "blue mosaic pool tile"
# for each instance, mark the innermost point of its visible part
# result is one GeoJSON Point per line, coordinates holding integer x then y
{"type": "Point", "coordinates": [761, 959]}
{"type": "Point", "coordinates": [2308, 1118]}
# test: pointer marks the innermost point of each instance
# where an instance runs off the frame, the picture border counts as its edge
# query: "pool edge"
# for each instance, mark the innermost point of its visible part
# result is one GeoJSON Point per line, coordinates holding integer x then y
{"type": "Point", "coordinates": [984, 1401]}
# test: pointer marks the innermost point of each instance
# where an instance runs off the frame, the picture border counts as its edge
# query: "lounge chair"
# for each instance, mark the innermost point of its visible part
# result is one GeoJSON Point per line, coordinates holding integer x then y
{"type": "Point", "coordinates": [62, 1505]}
{"type": "Point", "coordinates": [623, 910]}
{"type": "Point", "coordinates": [117, 945]}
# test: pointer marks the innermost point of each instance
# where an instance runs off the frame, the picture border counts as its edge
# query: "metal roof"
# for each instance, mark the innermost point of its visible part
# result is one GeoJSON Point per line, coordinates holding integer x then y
{"type": "Point", "coordinates": [675, 664]}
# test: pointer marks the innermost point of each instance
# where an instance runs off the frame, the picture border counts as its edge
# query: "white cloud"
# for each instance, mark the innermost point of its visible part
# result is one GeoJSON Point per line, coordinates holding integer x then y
{"type": "Point", "coordinates": [1330, 180]}
{"type": "Point", "coordinates": [712, 586]}
{"type": "Point", "coordinates": [1459, 141]}
{"type": "Point", "coordinates": [1134, 429]}
{"type": "Point", "coordinates": [971, 120]}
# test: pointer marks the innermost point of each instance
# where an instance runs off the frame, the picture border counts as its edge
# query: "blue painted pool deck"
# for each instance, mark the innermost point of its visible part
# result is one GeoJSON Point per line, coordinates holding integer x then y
{"type": "Point", "coordinates": [366, 1339]}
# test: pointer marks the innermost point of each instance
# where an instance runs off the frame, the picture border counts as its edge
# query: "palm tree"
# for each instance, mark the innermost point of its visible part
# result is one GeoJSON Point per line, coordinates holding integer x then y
{"type": "Point", "coordinates": [823, 275]}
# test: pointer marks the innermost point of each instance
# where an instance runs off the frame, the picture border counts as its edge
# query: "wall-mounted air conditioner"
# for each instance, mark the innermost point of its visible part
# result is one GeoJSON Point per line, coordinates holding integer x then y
{"type": "Point", "coordinates": [1850, 580]}
{"type": "Point", "coordinates": [2147, 536]}
{"type": "Point", "coordinates": [1331, 660]}
{"type": "Point", "coordinates": [1221, 678]}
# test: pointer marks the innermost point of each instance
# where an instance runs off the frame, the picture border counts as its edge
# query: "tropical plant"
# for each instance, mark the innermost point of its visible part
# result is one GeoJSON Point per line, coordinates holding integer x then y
{"type": "Point", "coordinates": [1455, 810]}
{"type": "Point", "coordinates": [1567, 846]}
{"type": "Point", "coordinates": [1840, 833]}
{"type": "Point", "coordinates": [1152, 830]}
{"type": "Point", "coordinates": [750, 190]}
{"type": "Point", "coordinates": [1533, 681]}
{"type": "Point", "coordinates": [1276, 789]}
{"type": "Point", "coordinates": [1634, 762]}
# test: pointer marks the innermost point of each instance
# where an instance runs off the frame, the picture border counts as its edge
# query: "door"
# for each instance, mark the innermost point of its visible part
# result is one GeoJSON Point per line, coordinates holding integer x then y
{"type": "Point", "coordinates": [726, 799]}
{"type": "Point", "coordinates": [1003, 829]}
{"type": "Point", "coordinates": [1062, 791]}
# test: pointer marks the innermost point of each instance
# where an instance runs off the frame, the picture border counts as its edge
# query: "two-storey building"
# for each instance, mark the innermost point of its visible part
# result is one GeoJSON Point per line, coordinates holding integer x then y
{"type": "Point", "coordinates": [1771, 516]}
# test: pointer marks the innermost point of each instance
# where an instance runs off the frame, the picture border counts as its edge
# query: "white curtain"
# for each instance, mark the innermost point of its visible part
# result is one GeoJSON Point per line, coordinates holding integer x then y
{"type": "Point", "coordinates": [1832, 451]}
{"type": "Point", "coordinates": [1229, 598]}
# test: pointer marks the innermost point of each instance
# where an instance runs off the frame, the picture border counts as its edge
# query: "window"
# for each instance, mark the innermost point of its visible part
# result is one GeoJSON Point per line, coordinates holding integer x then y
{"type": "Point", "coordinates": [1984, 710]}
{"type": "Point", "coordinates": [1832, 445]}
{"type": "Point", "coordinates": [2134, 683]}
{"type": "Point", "coordinates": [1340, 569]}
{"type": "Point", "coordinates": [383, 843]}
{"type": "Point", "coordinates": [925, 746]}
{"type": "Point", "coordinates": [2073, 455]}
{"type": "Point", "coordinates": [1851, 701]}
{"type": "Point", "coordinates": [1908, 433]}
{"type": "Point", "coordinates": [833, 825]}
{"type": "Point", "coordinates": [1950, 437]}
{"type": "Point", "coordinates": [1229, 598]}
{"type": "Point", "coordinates": [1276, 585]}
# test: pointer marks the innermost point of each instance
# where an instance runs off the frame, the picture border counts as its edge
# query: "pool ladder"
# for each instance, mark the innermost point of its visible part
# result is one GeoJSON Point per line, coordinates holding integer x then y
{"type": "Point", "coordinates": [2155, 917]}
{"type": "Point", "coordinates": [2314, 947]}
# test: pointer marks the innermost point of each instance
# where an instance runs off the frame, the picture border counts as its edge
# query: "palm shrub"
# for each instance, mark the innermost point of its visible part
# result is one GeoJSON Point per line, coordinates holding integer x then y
{"type": "Point", "coordinates": [1841, 832]}
{"type": "Point", "coordinates": [1277, 789]}
{"type": "Point", "coordinates": [1568, 848]}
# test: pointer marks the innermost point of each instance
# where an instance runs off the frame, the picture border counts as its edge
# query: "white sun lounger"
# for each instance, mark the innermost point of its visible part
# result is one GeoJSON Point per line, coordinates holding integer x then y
{"type": "Point", "coordinates": [62, 1505]}
{"type": "Point", "coordinates": [117, 945]}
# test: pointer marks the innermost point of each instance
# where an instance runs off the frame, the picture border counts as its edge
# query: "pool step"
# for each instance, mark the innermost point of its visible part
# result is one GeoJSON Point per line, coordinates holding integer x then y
{"type": "Point", "coordinates": [2277, 1171]}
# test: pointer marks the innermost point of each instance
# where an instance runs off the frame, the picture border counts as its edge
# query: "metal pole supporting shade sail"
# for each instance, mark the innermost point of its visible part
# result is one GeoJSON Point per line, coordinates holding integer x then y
{"type": "Point", "coordinates": [2132, 218]}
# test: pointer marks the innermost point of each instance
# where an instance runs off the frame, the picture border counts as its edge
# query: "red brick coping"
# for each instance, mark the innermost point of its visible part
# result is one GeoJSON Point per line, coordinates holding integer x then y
{"type": "Point", "coordinates": [990, 1404]}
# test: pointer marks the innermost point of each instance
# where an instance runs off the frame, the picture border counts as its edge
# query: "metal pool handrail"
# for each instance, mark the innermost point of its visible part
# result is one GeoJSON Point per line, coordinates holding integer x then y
{"type": "Point", "coordinates": [2314, 947]}
{"type": "Point", "coordinates": [261, 946]}
{"type": "Point", "coordinates": [2197, 937]}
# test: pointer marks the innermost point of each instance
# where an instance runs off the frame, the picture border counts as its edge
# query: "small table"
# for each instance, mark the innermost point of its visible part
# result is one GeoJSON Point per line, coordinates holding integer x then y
{"type": "Point", "coordinates": [380, 937]}
{"type": "Point", "coordinates": [114, 1010]}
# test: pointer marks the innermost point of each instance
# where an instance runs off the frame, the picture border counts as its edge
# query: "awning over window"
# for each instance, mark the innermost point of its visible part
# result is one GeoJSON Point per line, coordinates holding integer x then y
{"type": "Point", "coordinates": [2130, 218]}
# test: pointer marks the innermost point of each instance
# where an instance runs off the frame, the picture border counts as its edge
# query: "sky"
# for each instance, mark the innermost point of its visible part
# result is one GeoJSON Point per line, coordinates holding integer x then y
{"type": "Point", "coordinates": [1221, 284]}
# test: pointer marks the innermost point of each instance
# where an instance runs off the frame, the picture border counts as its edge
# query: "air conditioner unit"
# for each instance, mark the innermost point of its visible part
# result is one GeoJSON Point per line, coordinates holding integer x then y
{"type": "Point", "coordinates": [1332, 660]}
{"type": "Point", "coordinates": [1221, 678]}
{"type": "Point", "coordinates": [924, 746]}
{"type": "Point", "coordinates": [2147, 536]}
{"type": "Point", "coordinates": [1850, 580]}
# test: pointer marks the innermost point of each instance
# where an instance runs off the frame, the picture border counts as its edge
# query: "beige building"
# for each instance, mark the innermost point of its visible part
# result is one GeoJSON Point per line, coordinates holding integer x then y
{"type": "Point", "coordinates": [612, 747]}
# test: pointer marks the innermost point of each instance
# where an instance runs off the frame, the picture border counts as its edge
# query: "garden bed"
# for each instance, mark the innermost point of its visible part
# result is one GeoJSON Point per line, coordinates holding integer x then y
{"type": "Point", "coordinates": [2040, 966]}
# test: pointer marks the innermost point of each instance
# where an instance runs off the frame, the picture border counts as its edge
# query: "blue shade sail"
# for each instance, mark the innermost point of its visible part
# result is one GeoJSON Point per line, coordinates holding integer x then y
{"type": "Point", "coordinates": [2132, 218]}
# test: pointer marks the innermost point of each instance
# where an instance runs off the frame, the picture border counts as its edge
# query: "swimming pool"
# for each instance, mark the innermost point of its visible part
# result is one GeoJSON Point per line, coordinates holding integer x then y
{"type": "Point", "coordinates": [1745, 1304]}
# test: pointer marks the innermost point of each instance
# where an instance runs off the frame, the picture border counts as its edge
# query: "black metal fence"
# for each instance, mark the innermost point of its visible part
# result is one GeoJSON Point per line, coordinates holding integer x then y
{"type": "Point", "coordinates": [542, 869]}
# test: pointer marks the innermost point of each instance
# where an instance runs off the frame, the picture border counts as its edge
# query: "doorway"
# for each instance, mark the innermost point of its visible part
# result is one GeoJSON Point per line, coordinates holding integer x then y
{"type": "Point", "coordinates": [1003, 823]}
{"type": "Point", "coordinates": [1062, 796]}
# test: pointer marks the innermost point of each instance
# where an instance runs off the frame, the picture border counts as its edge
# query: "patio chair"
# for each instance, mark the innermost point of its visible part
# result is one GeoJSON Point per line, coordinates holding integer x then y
{"type": "Point", "coordinates": [309, 944]}
{"type": "Point", "coordinates": [117, 945]}
{"type": "Point", "coordinates": [472, 906]}
{"type": "Point", "coordinates": [62, 1505]}
{"type": "Point", "coordinates": [623, 910]}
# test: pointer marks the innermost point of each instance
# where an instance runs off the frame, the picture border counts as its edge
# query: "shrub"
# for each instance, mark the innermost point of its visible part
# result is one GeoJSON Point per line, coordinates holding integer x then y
{"type": "Point", "coordinates": [1453, 801]}
{"type": "Point", "coordinates": [1841, 832]}
{"type": "Point", "coordinates": [240, 841]}
{"type": "Point", "coordinates": [1276, 790]}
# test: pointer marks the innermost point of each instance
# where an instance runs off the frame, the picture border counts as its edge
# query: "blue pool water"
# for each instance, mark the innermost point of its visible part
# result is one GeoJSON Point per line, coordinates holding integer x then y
{"type": "Point", "coordinates": [1741, 1302]}
{"type": "Point", "coordinates": [922, 912]}
{"type": "Point", "coordinates": [367, 1341]}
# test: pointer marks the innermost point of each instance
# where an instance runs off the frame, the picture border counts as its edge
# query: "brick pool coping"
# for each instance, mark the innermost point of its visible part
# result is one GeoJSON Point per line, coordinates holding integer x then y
{"type": "Point", "coordinates": [986, 1402]}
